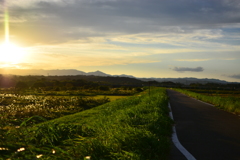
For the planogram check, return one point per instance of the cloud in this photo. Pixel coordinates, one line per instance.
(236, 76)
(184, 69)
(15, 66)
(193, 60)
(75, 61)
(59, 21)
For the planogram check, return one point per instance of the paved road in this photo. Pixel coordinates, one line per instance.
(205, 131)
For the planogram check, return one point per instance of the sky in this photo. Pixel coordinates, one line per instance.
(143, 38)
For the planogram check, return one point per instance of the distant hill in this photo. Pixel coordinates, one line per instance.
(98, 73)
(124, 75)
(64, 72)
(74, 72)
(185, 81)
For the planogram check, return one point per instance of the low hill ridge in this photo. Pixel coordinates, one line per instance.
(74, 72)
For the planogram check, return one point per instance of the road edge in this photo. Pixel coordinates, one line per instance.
(175, 140)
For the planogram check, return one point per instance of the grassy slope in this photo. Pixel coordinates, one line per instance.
(230, 104)
(136, 127)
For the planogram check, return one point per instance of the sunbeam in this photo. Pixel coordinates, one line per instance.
(9, 52)
(6, 23)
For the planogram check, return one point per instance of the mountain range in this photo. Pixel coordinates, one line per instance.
(68, 72)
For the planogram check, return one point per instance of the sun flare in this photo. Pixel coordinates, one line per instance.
(11, 53)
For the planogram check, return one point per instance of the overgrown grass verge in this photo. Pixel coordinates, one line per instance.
(230, 104)
(136, 127)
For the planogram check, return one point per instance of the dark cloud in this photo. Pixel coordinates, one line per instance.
(184, 69)
(61, 21)
(236, 76)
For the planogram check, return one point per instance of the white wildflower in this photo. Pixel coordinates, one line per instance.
(21, 149)
(39, 156)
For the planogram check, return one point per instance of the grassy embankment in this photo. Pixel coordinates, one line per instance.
(230, 103)
(137, 127)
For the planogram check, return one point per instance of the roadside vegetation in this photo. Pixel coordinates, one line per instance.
(136, 127)
(230, 92)
(229, 102)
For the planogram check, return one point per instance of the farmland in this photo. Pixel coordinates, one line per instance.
(27, 96)
(50, 127)
(16, 108)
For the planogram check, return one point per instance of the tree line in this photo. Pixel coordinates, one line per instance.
(66, 82)
(93, 82)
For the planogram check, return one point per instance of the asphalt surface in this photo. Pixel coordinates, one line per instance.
(205, 131)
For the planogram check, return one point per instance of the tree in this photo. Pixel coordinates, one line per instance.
(39, 84)
(69, 86)
(21, 85)
(103, 88)
(138, 89)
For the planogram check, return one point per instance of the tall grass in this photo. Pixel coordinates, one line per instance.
(15, 108)
(136, 127)
(230, 104)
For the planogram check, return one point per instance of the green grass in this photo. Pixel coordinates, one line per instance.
(137, 127)
(217, 92)
(230, 103)
(111, 97)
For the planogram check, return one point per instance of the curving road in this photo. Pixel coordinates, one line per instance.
(205, 131)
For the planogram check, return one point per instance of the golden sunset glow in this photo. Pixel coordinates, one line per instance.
(11, 53)
(161, 38)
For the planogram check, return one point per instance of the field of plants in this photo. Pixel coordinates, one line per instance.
(15, 108)
(17, 105)
(226, 100)
(217, 92)
(83, 91)
(135, 127)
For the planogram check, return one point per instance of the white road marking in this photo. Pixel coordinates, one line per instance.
(176, 142)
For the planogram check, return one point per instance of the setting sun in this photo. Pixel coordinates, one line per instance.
(11, 53)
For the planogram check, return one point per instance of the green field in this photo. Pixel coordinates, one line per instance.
(15, 108)
(217, 92)
(111, 97)
(135, 127)
(225, 100)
